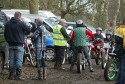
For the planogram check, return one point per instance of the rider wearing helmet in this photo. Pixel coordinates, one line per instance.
(108, 37)
(98, 33)
(79, 38)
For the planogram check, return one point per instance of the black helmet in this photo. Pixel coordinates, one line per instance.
(108, 33)
(79, 23)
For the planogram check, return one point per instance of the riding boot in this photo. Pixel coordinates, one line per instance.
(11, 74)
(43, 62)
(44, 73)
(40, 74)
(90, 65)
(19, 74)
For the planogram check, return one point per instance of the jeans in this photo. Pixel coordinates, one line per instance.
(16, 56)
(40, 57)
(121, 74)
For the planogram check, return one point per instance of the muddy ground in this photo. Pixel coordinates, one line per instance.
(58, 76)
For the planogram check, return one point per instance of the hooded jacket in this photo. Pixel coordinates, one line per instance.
(15, 31)
(120, 40)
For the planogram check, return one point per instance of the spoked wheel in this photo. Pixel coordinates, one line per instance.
(79, 62)
(64, 59)
(32, 58)
(104, 61)
(111, 69)
(70, 57)
(1, 62)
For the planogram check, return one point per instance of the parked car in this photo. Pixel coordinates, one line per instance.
(4, 52)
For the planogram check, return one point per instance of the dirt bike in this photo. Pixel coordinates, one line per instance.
(111, 69)
(98, 52)
(81, 61)
(29, 52)
(68, 54)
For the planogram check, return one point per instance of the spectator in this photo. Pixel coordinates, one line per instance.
(39, 43)
(60, 37)
(120, 51)
(14, 34)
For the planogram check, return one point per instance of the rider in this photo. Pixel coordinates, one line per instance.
(108, 37)
(98, 33)
(79, 38)
(39, 43)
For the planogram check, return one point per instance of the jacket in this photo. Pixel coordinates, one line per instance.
(98, 36)
(15, 31)
(79, 37)
(120, 40)
(39, 35)
(60, 36)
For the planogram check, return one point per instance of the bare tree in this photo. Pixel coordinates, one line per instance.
(34, 6)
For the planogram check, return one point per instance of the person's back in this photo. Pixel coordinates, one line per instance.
(15, 30)
(80, 36)
(14, 33)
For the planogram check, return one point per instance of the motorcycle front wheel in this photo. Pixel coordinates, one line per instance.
(32, 58)
(111, 69)
(104, 61)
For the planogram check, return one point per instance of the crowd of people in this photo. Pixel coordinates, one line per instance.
(16, 29)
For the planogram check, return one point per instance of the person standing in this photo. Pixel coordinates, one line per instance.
(120, 51)
(80, 41)
(14, 34)
(60, 37)
(39, 43)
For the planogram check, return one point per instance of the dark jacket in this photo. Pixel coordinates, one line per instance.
(99, 36)
(39, 37)
(15, 31)
(64, 33)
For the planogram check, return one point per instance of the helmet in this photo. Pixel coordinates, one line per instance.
(108, 33)
(79, 22)
(98, 29)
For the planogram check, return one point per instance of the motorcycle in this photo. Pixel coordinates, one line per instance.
(68, 54)
(81, 61)
(98, 52)
(29, 52)
(111, 69)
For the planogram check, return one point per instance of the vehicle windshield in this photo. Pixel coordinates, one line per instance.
(50, 22)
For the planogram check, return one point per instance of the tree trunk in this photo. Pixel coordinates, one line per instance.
(34, 6)
(94, 12)
(116, 14)
(106, 13)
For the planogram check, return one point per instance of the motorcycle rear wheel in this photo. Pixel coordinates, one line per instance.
(79, 62)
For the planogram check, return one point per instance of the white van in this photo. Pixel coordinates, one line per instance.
(44, 13)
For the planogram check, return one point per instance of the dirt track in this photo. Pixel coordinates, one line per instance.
(58, 76)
